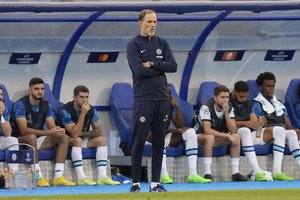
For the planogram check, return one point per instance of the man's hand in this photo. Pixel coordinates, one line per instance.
(173, 102)
(225, 107)
(253, 124)
(85, 108)
(2, 107)
(230, 137)
(58, 130)
(147, 64)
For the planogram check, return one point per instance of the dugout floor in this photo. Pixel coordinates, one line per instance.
(124, 188)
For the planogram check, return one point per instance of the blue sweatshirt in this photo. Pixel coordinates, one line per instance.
(150, 83)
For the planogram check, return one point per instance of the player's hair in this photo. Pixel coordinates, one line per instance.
(143, 13)
(219, 89)
(265, 76)
(35, 81)
(80, 88)
(241, 86)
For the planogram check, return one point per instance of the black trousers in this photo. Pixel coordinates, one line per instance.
(148, 115)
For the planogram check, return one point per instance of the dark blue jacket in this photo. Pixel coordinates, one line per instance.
(150, 83)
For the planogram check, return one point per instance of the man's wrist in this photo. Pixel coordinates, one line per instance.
(151, 64)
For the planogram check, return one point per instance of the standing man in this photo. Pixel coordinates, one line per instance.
(274, 114)
(29, 115)
(77, 116)
(6, 140)
(149, 58)
(216, 119)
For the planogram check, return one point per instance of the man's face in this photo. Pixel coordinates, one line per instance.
(148, 25)
(37, 91)
(222, 98)
(267, 88)
(81, 98)
(241, 96)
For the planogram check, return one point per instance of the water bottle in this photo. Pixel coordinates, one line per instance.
(11, 178)
(6, 178)
(259, 128)
(35, 178)
(29, 181)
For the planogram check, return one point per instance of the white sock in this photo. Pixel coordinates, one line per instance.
(58, 170)
(191, 146)
(136, 184)
(164, 171)
(292, 141)
(248, 148)
(278, 148)
(235, 162)
(101, 159)
(76, 156)
(207, 165)
(153, 184)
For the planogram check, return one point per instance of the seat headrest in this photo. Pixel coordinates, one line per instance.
(206, 91)
(253, 89)
(7, 101)
(291, 91)
(122, 96)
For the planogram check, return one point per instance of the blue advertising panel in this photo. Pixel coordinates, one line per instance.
(279, 55)
(20, 156)
(25, 58)
(102, 57)
(229, 55)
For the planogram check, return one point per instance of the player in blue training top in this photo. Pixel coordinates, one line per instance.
(6, 140)
(149, 58)
(77, 117)
(29, 115)
(274, 114)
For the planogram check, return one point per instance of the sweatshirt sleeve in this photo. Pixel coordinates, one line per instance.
(169, 64)
(136, 64)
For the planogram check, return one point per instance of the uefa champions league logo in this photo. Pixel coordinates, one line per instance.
(14, 157)
(28, 159)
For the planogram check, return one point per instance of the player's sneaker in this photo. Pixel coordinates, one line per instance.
(282, 177)
(135, 188)
(107, 181)
(158, 188)
(41, 182)
(166, 179)
(62, 181)
(260, 176)
(238, 177)
(208, 176)
(121, 178)
(197, 179)
(86, 181)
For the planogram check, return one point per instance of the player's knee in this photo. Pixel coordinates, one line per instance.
(100, 141)
(244, 133)
(189, 134)
(77, 142)
(291, 135)
(30, 139)
(12, 143)
(209, 140)
(237, 139)
(279, 132)
(64, 138)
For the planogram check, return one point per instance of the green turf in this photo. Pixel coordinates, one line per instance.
(278, 194)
